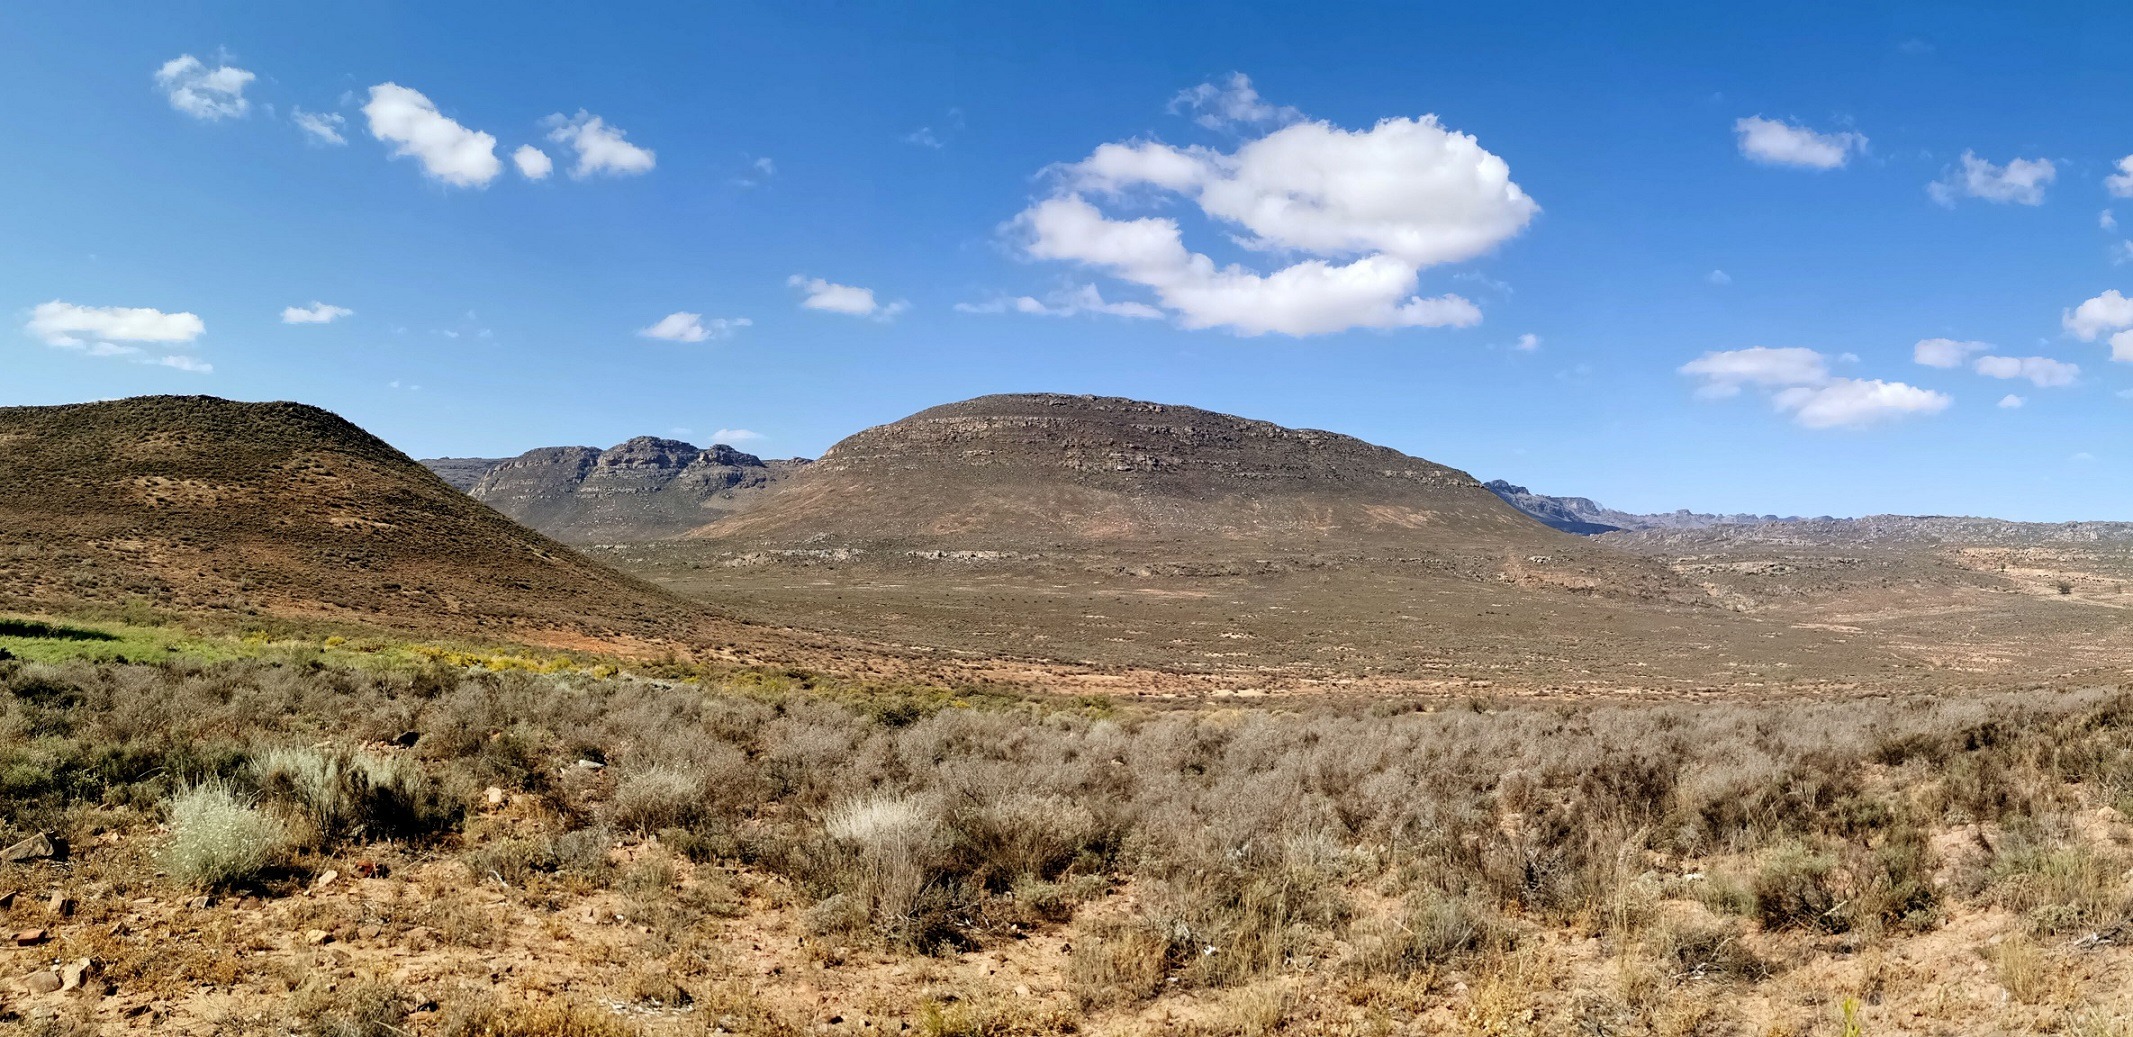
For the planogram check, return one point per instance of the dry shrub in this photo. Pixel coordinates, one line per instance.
(218, 840)
(1795, 889)
(1117, 964)
(478, 1017)
(885, 855)
(2062, 886)
(1431, 931)
(342, 796)
(363, 1008)
(1693, 948)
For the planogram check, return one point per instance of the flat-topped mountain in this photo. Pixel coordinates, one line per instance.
(196, 503)
(1040, 471)
(1585, 516)
(644, 489)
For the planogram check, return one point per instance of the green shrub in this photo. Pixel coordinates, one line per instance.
(341, 796)
(1795, 890)
(218, 840)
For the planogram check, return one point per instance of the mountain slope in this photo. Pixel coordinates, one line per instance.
(202, 504)
(644, 489)
(1041, 470)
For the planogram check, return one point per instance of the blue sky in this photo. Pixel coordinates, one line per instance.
(934, 178)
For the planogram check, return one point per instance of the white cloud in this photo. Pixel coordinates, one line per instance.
(2011, 401)
(2095, 317)
(843, 298)
(1804, 388)
(2043, 372)
(69, 326)
(600, 147)
(924, 137)
(1719, 277)
(1945, 352)
(2021, 181)
(202, 92)
(2120, 184)
(185, 363)
(1725, 371)
(1391, 200)
(2108, 220)
(692, 327)
(1229, 103)
(1857, 402)
(759, 173)
(2122, 347)
(1527, 343)
(448, 151)
(1775, 143)
(2122, 253)
(532, 162)
(319, 127)
(730, 436)
(316, 313)
(1085, 299)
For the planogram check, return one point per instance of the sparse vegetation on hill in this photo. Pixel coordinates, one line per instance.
(207, 506)
(684, 857)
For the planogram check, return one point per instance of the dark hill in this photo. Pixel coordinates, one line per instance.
(1042, 470)
(197, 504)
(644, 489)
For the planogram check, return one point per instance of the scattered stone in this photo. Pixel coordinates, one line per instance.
(370, 932)
(325, 879)
(201, 902)
(74, 972)
(39, 847)
(60, 904)
(591, 765)
(46, 982)
(31, 937)
(7, 900)
(494, 796)
(315, 937)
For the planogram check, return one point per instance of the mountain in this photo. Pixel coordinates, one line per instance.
(1047, 472)
(462, 472)
(1584, 516)
(205, 505)
(644, 489)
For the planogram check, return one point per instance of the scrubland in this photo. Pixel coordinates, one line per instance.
(304, 846)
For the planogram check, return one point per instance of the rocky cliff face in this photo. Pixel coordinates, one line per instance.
(1585, 516)
(644, 489)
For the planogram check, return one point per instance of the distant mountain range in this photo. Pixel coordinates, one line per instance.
(1584, 516)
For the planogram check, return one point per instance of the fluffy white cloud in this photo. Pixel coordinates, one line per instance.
(1527, 343)
(448, 151)
(692, 327)
(730, 436)
(2043, 372)
(1775, 143)
(843, 298)
(1229, 103)
(69, 326)
(1804, 388)
(532, 162)
(1857, 402)
(316, 313)
(319, 127)
(2011, 401)
(600, 147)
(1945, 352)
(2021, 181)
(203, 92)
(1391, 200)
(2108, 220)
(1718, 277)
(2101, 315)
(1072, 302)
(2120, 184)
(1725, 371)
(107, 331)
